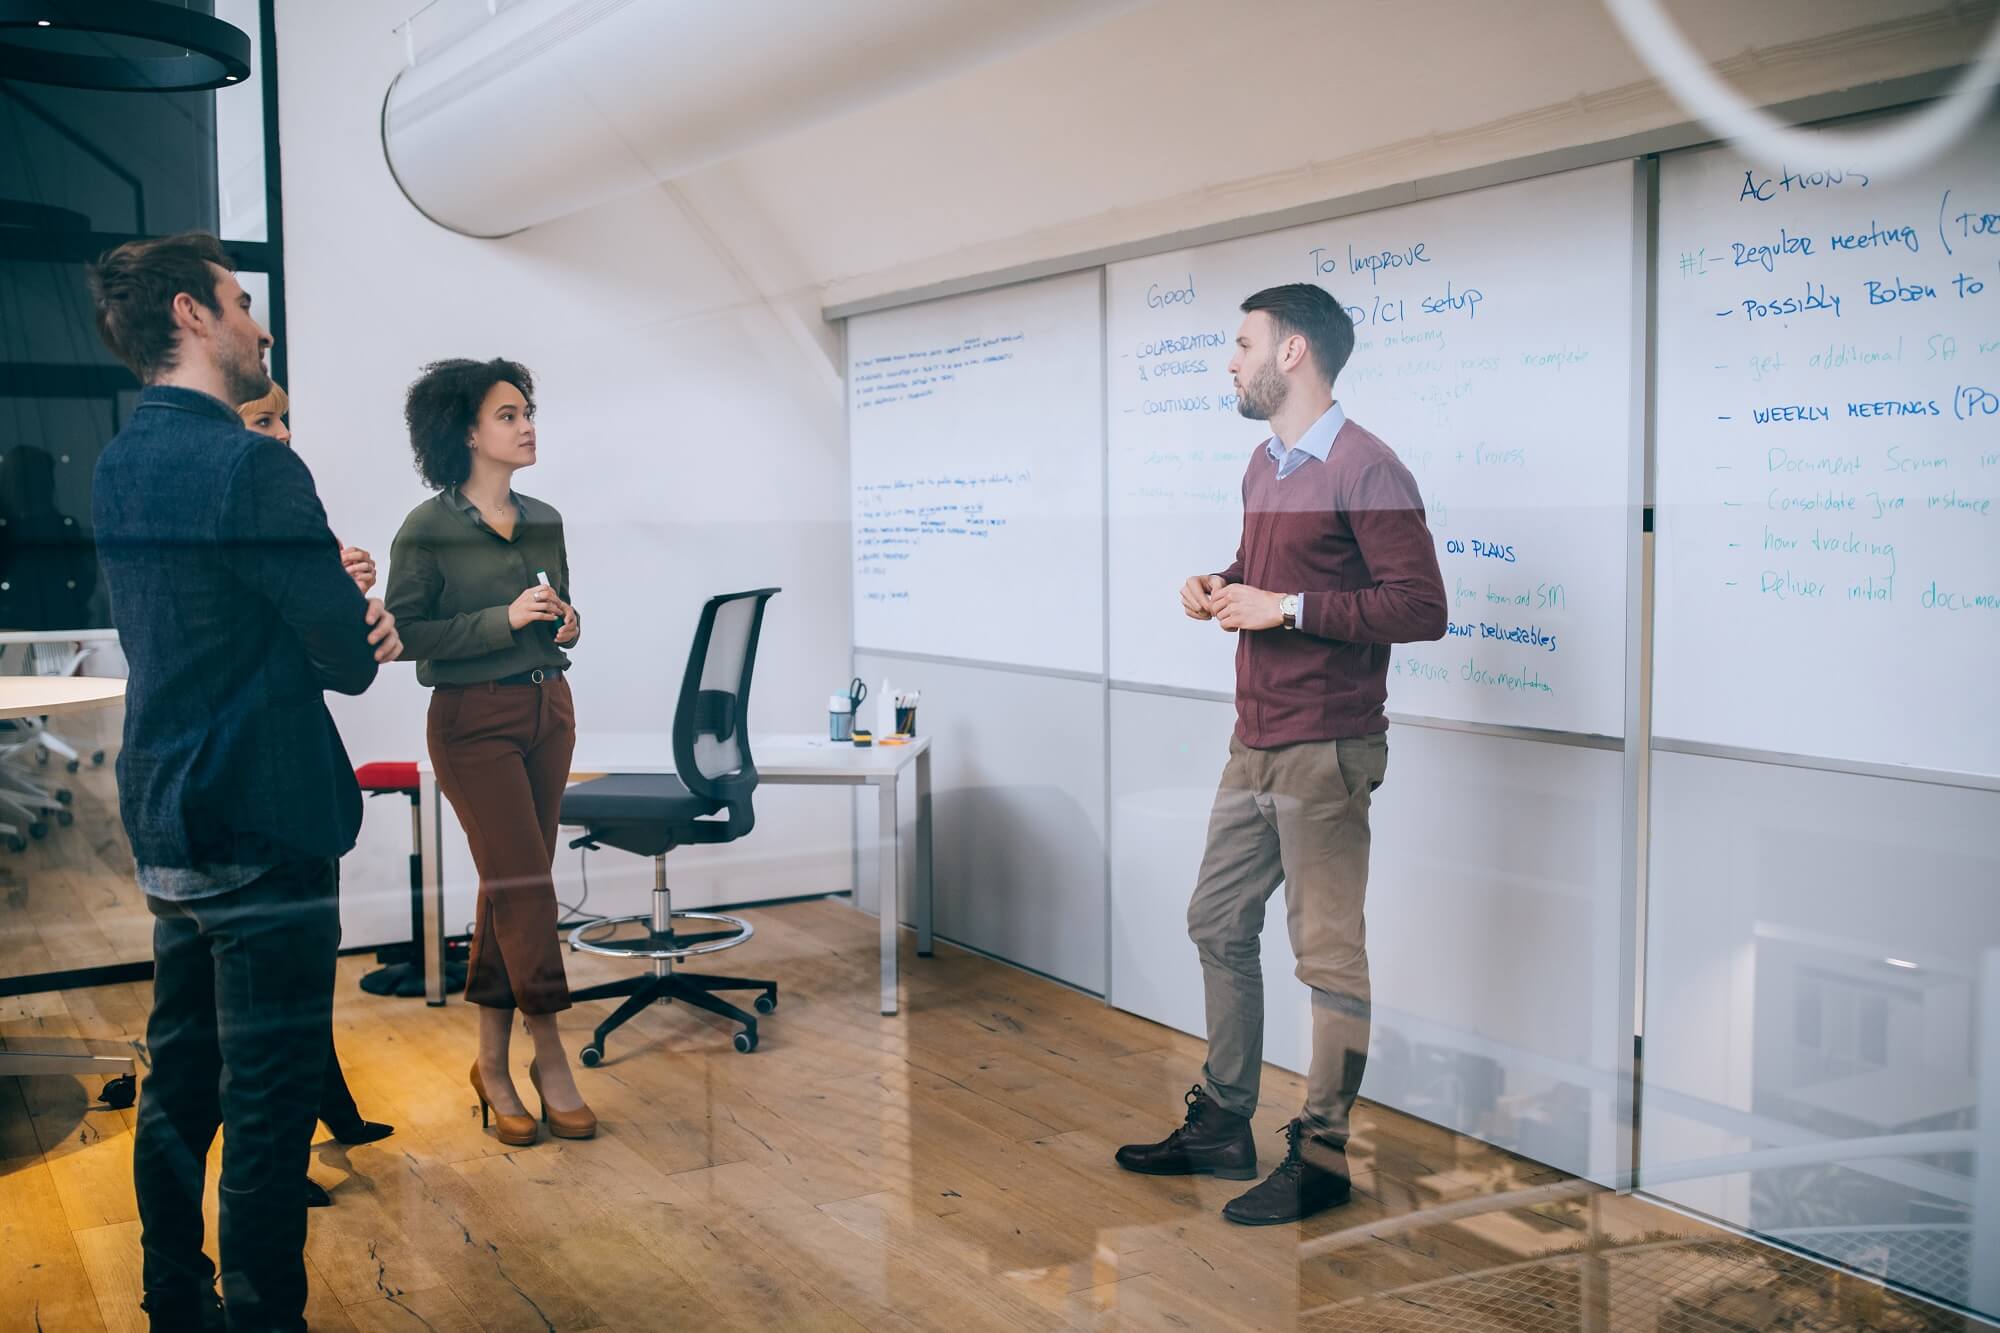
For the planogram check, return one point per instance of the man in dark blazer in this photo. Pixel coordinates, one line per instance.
(235, 615)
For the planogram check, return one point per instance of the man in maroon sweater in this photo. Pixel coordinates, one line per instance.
(1336, 564)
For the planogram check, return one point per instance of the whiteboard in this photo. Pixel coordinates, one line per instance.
(1828, 458)
(1493, 354)
(976, 429)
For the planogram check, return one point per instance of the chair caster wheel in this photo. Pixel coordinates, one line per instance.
(16, 843)
(120, 1092)
(65, 818)
(97, 759)
(766, 1003)
(746, 1042)
(592, 1056)
(38, 830)
(72, 766)
(64, 796)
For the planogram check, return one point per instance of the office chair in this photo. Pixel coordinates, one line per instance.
(650, 814)
(60, 659)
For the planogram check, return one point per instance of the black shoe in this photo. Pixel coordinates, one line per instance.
(316, 1195)
(386, 979)
(361, 1131)
(1213, 1142)
(1293, 1192)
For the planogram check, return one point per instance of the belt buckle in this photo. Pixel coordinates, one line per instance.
(537, 676)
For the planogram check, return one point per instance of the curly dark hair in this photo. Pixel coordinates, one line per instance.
(443, 406)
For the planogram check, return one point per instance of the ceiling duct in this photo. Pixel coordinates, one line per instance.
(552, 106)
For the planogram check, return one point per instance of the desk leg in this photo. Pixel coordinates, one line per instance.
(925, 886)
(888, 853)
(430, 846)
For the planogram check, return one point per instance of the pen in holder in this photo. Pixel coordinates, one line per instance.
(906, 712)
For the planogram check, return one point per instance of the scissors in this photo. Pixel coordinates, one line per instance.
(856, 692)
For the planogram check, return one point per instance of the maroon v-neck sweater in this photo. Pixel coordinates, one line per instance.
(1350, 534)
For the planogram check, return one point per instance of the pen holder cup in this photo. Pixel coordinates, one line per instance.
(906, 721)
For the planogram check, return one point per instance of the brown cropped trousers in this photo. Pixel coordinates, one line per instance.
(502, 757)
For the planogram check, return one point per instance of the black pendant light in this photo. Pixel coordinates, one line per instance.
(140, 46)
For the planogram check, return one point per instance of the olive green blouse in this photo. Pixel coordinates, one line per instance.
(452, 578)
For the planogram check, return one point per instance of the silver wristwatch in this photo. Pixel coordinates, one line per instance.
(1288, 609)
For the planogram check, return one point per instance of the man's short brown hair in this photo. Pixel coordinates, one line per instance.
(133, 288)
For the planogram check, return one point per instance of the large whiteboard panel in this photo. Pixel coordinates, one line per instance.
(976, 430)
(1494, 335)
(1494, 932)
(1829, 458)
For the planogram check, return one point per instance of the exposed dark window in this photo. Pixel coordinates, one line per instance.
(81, 171)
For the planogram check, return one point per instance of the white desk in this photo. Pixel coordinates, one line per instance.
(806, 760)
(33, 636)
(38, 696)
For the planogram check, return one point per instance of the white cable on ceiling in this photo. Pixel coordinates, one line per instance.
(1755, 132)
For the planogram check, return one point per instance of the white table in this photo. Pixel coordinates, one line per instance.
(33, 636)
(39, 696)
(804, 760)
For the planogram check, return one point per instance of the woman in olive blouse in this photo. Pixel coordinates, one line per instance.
(479, 584)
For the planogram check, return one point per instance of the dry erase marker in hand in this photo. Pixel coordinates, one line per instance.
(542, 577)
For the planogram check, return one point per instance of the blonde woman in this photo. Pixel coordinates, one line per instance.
(337, 1110)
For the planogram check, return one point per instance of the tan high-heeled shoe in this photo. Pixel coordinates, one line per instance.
(516, 1131)
(578, 1124)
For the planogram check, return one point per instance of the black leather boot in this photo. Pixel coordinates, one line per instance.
(199, 1312)
(1293, 1192)
(1212, 1143)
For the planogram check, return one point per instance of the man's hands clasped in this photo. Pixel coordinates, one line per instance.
(1234, 606)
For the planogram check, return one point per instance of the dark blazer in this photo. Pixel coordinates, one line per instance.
(235, 615)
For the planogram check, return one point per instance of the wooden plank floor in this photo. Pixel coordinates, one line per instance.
(949, 1169)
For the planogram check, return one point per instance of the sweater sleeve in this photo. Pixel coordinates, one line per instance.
(1234, 574)
(1406, 601)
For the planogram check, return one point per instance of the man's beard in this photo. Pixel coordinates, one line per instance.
(245, 377)
(1264, 394)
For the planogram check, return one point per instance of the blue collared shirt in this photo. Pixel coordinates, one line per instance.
(1315, 444)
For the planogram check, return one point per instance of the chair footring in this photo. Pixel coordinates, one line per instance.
(596, 937)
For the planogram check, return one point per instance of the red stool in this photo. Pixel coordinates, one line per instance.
(402, 972)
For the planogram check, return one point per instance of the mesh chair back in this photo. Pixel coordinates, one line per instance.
(711, 723)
